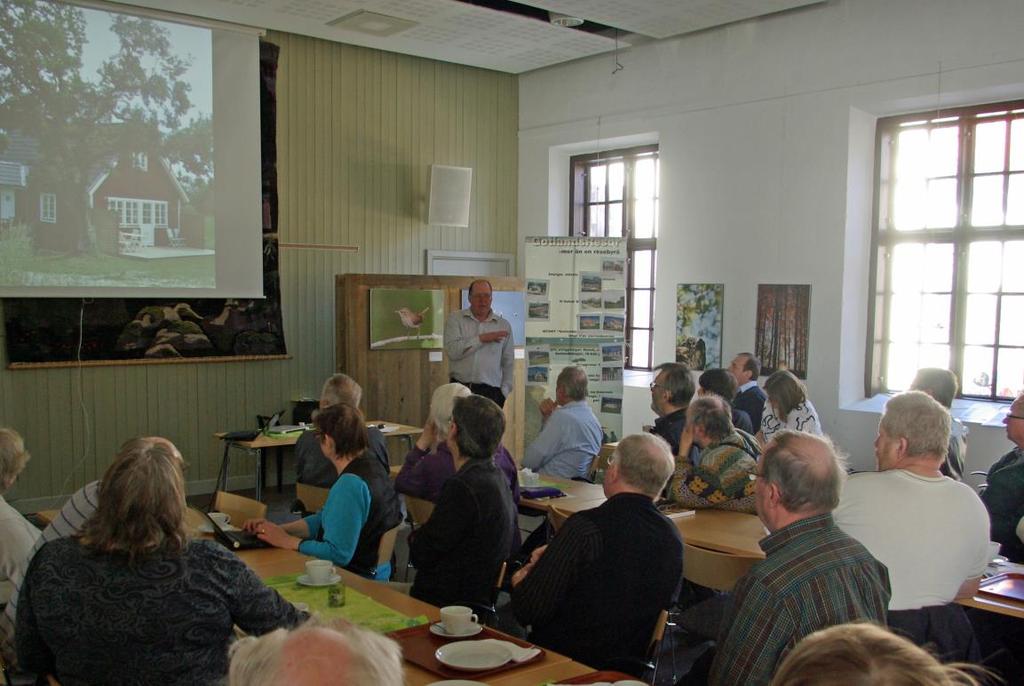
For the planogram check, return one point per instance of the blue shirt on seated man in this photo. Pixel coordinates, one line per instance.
(571, 436)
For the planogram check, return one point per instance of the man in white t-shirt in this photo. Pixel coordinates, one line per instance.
(929, 530)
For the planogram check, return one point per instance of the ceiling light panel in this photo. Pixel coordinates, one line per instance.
(666, 18)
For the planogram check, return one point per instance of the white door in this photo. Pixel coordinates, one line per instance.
(6, 204)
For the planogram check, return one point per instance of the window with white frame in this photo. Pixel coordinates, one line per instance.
(140, 160)
(615, 193)
(949, 258)
(130, 211)
(48, 208)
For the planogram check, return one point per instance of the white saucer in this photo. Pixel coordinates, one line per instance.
(207, 528)
(456, 682)
(304, 580)
(473, 656)
(439, 630)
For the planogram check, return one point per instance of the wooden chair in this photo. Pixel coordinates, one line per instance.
(238, 507)
(712, 569)
(647, 668)
(557, 517)
(599, 465)
(312, 497)
(386, 547)
(419, 512)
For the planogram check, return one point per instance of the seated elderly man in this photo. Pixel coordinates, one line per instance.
(315, 654)
(670, 394)
(813, 575)
(1004, 496)
(943, 385)
(719, 475)
(17, 535)
(595, 592)
(311, 465)
(571, 436)
(929, 530)
(459, 550)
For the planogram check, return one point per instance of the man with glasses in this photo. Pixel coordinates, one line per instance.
(670, 394)
(813, 575)
(1004, 496)
(478, 342)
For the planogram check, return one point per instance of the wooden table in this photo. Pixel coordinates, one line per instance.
(1010, 608)
(258, 445)
(269, 562)
(576, 493)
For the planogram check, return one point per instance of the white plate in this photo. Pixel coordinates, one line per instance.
(456, 682)
(473, 656)
(207, 528)
(439, 630)
(304, 580)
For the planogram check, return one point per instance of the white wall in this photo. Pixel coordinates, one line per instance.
(766, 134)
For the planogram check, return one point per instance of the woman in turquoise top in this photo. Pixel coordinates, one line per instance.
(361, 505)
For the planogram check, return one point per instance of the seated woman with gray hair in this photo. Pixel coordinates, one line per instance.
(133, 599)
(429, 464)
(17, 535)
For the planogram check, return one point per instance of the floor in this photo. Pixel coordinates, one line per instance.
(678, 650)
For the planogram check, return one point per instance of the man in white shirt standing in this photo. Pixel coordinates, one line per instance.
(478, 342)
(929, 530)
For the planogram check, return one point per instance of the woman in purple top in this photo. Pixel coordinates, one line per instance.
(429, 464)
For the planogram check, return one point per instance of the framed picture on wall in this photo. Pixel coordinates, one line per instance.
(403, 318)
(699, 309)
(783, 327)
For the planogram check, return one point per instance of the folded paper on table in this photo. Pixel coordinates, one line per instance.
(358, 608)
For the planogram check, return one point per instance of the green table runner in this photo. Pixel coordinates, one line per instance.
(358, 608)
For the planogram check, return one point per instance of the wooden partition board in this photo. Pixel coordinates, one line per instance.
(397, 384)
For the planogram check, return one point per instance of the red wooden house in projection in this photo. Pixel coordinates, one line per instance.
(147, 198)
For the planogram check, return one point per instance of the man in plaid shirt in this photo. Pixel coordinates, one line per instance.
(813, 575)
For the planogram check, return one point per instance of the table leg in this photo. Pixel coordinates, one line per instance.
(260, 474)
(280, 467)
(222, 475)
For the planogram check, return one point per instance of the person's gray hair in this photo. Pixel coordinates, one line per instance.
(920, 419)
(573, 382)
(372, 659)
(340, 388)
(713, 415)
(13, 457)
(645, 462)
(678, 381)
(441, 404)
(808, 469)
(480, 423)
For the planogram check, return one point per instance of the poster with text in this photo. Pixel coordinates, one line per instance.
(576, 316)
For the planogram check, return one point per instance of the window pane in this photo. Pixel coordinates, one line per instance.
(596, 227)
(943, 151)
(983, 260)
(597, 183)
(1017, 145)
(912, 154)
(1011, 320)
(981, 320)
(642, 308)
(905, 318)
(645, 183)
(977, 379)
(989, 146)
(1011, 372)
(644, 218)
(643, 269)
(616, 172)
(641, 340)
(901, 366)
(938, 268)
(933, 356)
(615, 219)
(1015, 200)
(910, 204)
(987, 206)
(907, 274)
(941, 203)
(1013, 273)
(935, 319)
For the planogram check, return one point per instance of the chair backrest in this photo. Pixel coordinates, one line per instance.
(657, 634)
(419, 509)
(599, 465)
(387, 545)
(238, 507)
(557, 517)
(710, 568)
(312, 497)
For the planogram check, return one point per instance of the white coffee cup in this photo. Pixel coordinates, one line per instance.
(220, 518)
(993, 550)
(319, 571)
(458, 619)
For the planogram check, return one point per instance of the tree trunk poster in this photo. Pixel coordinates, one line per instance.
(575, 316)
(783, 326)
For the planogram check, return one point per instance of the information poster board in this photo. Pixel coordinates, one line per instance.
(576, 316)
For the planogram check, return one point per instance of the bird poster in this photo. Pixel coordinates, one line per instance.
(402, 319)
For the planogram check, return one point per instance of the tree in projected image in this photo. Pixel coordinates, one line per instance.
(79, 120)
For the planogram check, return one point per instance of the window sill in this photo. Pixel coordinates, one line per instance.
(978, 412)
